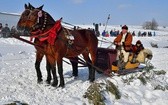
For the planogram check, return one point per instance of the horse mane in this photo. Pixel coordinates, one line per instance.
(50, 18)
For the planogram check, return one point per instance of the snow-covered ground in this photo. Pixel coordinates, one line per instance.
(18, 76)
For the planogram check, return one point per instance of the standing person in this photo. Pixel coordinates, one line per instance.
(104, 33)
(1, 30)
(139, 33)
(13, 30)
(133, 33)
(111, 33)
(6, 31)
(107, 34)
(154, 34)
(123, 43)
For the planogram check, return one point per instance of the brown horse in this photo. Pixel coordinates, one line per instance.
(40, 53)
(40, 23)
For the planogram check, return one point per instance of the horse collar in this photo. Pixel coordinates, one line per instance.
(45, 21)
(49, 35)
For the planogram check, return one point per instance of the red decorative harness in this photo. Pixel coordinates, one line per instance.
(50, 35)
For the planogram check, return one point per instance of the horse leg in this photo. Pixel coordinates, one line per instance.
(93, 53)
(48, 67)
(51, 63)
(74, 66)
(60, 72)
(39, 57)
(55, 80)
(88, 61)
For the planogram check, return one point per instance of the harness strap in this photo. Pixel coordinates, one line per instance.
(50, 35)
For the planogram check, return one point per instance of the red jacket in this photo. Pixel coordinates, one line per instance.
(127, 43)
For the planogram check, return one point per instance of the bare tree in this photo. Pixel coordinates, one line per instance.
(147, 25)
(153, 25)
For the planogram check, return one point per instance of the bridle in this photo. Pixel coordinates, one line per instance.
(38, 26)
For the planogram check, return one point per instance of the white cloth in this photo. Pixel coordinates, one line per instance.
(126, 54)
(123, 38)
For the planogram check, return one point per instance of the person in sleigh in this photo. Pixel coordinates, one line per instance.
(136, 49)
(123, 43)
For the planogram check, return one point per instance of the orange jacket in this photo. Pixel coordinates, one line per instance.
(128, 41)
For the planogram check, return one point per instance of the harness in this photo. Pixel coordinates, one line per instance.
(69, 36)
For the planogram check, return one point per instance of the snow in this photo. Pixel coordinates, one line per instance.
(18, 76)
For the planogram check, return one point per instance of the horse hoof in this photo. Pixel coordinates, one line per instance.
(54, 84)
(92, 80)
(40, 81)
(62, 85)
(75, 77)
(48, 82)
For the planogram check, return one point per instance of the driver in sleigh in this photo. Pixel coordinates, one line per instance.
(123, 43)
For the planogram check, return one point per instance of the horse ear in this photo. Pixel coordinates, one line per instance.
(31, 7)
(26, 7)
(41, 7)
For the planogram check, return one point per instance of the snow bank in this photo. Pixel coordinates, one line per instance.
(18, 77)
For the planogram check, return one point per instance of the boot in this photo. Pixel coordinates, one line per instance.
(122, 66)
(134, 58)
(115, 63)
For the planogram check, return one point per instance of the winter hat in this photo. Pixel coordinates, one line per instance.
(138, 42)
(125, 27)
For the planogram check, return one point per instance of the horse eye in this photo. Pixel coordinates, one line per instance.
(27, 13)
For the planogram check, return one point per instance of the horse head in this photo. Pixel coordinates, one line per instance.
(34, 19)
(21, 25)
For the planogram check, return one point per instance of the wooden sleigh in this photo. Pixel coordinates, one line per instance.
(107, 57)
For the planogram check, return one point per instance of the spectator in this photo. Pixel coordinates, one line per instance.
(13, 30)
(104, 33)
(139, 33)
(133, 33)
(117, 32)
(150, 34)
(154, 34)
(107, 34)
(6, 31)
(97, 33)
(144, 34)
(1, 30)
(111, 33)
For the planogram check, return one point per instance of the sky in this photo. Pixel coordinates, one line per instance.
(129, 12)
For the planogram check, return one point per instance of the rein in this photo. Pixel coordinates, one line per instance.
(81, 61)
